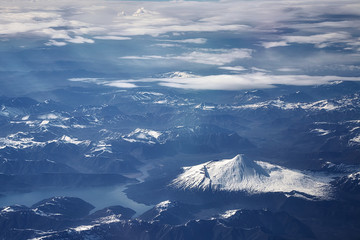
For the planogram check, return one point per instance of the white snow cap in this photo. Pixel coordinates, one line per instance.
(242, 174)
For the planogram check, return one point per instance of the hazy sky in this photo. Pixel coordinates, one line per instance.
(208, 44)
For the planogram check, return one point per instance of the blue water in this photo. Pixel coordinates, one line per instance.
(99, 197)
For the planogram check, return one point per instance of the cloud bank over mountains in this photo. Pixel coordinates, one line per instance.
(73, 22)
(221, 82)
(225, 43)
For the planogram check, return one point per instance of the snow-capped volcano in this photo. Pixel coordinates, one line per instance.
(241, 174)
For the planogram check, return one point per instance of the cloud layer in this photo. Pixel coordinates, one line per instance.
(222, 82)
(229, 44)
(67, 21)
(203, 56)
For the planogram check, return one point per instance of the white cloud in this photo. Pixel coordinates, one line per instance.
(255, 80)
(287, 69)
(120, 84)
(142, 11)
(79, 39)
(147, 57)
(259, 69)
(87, 80)
(274, 44)
(56, 34)
(105, 82)
(72, 19)
(112, 38)
(55, 43)
(202, 56)
(320, 40)
(167, 45)
(249, 81)
(273, 24)
(215, 57)
(234, 69)
(149, 19)
(191, 40)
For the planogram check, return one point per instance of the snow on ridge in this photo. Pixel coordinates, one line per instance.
(100, 148)
(21, 140)
(239, 174)
(321, 132)
(75, 141)
(84, 227)
(44, 122)
(355, 140)
(205, 107)
(229, 213)
(327, 105)
(41, 213)
(49, 116)
(78, 126)
(142, 135)
(7, 210)
(354, 176)
(109, 219)
(319, 105)
(162, 206)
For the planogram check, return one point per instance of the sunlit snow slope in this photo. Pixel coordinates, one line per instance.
(241, 174)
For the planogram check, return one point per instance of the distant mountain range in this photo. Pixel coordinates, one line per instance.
(177, 152)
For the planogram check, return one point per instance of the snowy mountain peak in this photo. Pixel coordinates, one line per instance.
(227, 173)
(246, 167)
(242, 174)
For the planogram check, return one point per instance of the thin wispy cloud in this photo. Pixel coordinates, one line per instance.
(112, 38)
(234, 69)
(256, 80)
(55, 43)
(320, 40)
(274, 44)
(247, 40)
(167, 45)
(105, 82)
(192, 40)
(288, 69)
(202, 56)
(123, 19)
